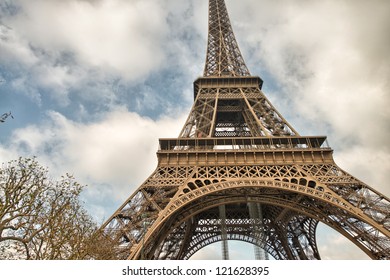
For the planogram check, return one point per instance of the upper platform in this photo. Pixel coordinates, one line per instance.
(227, 82)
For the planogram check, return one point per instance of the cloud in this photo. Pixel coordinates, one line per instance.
(120, 35)
(70, 50)
(117, 152)
(13, 46)
(130, 38)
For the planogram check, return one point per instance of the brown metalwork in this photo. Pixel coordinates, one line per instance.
(237, 153)
(223, 55)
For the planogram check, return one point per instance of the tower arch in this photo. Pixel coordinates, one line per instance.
(293, 208)
(235, 148)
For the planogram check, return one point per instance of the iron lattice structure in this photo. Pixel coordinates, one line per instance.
(239, 171)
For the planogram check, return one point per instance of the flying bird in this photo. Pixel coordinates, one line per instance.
(5, 116)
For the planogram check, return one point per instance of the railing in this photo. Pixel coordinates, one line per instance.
(243, 143)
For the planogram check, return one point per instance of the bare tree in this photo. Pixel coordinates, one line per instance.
(102, 247)
(41, 218)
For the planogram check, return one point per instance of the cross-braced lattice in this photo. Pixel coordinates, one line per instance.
(240, 171)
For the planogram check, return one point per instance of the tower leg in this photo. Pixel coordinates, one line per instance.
(255, 213)
(225, 246)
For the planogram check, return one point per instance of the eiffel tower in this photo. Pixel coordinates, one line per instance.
(240, 171)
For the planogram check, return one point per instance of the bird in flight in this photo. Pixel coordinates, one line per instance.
(5, 116)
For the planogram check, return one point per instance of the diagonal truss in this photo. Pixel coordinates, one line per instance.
(240, 171)
(233, 107)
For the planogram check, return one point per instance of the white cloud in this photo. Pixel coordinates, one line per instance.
(117, 152)
(123, 36)
(65, 50)
(12, 46)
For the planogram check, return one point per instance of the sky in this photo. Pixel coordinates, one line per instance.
(93, 84)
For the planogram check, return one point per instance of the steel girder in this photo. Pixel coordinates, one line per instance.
(234, 150)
